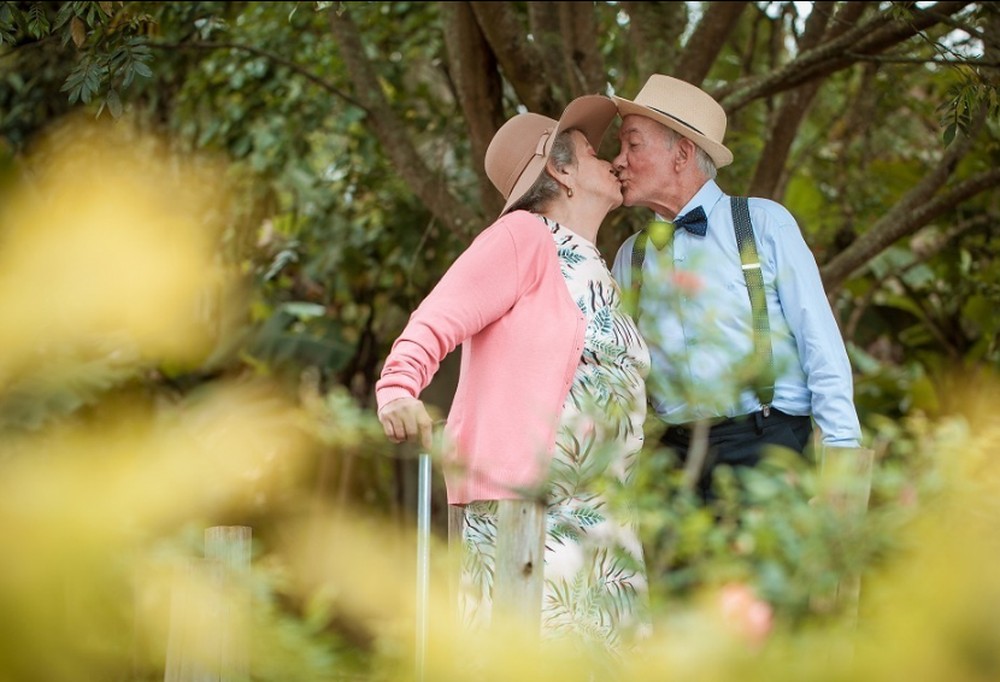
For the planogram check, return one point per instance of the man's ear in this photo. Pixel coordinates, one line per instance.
(685, 152)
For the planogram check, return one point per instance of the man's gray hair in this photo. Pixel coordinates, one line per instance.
(701, 157)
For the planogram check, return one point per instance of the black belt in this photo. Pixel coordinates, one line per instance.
(754, 421)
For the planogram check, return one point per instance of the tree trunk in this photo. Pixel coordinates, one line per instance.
(522, 62)
(769, 176)
(704, 45)
(478, 87)
(654, 30)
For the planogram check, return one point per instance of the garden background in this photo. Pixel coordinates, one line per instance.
(215, 217)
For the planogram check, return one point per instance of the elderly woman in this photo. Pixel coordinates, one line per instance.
(551, 390)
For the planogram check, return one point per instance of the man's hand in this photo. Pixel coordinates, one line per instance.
(407, 419)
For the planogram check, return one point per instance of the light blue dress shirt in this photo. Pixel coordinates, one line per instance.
(694, 312)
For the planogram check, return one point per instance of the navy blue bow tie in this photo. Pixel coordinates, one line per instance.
(693, 221)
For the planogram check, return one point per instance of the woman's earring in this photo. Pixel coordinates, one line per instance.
(569, 191)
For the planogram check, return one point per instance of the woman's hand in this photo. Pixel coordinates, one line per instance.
(406, 419)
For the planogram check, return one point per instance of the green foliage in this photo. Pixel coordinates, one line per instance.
(110, 54)
(337, 250)
(771, 528)
(327, 220)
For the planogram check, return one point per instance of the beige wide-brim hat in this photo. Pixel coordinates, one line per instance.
(519, 149)
(685, 108)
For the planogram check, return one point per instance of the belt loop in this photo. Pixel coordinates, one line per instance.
(758, 420)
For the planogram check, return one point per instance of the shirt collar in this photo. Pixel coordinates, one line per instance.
(707, 197)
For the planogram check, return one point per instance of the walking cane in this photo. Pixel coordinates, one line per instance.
(423, 558)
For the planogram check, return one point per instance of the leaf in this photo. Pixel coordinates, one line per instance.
(142, 69)
(978, 312)
(78, 31)
(38, 23)
(114, 103)
(587, 516)
(949, 134)
(304, 310)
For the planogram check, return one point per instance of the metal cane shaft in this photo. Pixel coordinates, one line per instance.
(423, 558)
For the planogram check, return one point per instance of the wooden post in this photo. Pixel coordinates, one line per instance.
(456, 549)
(847, 479)
(227, 549)
(208, 638)
(520, 562)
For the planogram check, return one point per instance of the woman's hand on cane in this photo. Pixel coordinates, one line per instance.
(406, 419)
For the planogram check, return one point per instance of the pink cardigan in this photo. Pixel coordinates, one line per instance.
(505, 300)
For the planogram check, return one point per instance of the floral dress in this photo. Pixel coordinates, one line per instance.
(595, 580)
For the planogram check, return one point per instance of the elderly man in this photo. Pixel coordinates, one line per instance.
(730, 300)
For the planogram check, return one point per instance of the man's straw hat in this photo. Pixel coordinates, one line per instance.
(685, 108)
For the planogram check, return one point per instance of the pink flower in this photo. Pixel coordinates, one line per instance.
(750, 617)
(687, 282)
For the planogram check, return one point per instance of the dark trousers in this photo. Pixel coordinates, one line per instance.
(740, 441)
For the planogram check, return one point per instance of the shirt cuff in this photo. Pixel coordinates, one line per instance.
(841, 442)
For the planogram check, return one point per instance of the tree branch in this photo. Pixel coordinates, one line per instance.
(273, 56)
(987, 37)
(917, 208)
(784, 124)
(846, 16)
(891, 59)
(782, 132)
(390, 130)
(27, 45)
(708, 39)
(877, 34)
(921, 254)
(927, 319)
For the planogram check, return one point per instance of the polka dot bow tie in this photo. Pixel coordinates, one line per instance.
(693, 221)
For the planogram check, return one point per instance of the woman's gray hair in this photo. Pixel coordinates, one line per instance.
(701, 157)
(545, 188)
